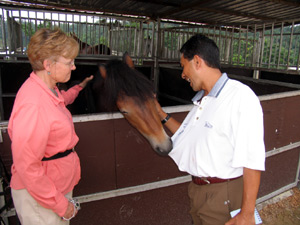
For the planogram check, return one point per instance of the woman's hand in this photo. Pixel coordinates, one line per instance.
(85, 81)
(70, 212)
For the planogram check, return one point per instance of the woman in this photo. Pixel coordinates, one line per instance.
(45, 166)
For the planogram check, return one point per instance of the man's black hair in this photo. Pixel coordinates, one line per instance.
(203, 47)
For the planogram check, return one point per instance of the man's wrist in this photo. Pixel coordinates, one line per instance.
(168, 116)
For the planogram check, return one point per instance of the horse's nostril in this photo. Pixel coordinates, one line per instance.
(163, 151)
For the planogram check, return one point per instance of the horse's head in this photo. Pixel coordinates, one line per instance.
(132, 93)
(84, 48)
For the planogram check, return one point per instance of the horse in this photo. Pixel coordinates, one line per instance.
(85, 48)
(132, 94)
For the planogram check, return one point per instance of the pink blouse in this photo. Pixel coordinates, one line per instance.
(41, 126)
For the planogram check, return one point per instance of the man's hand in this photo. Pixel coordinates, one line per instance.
(241, 219)
(250, 190)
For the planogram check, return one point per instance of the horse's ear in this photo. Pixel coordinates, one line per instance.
(102, 71)
(127, 59)
(73, 35)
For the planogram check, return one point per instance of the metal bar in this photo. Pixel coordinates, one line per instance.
(156, 56)
(86, 33)
(262, 46)
(133, 190)
(35, 24)
(98, 37)
(239, 45)
(255, 53)
(280, 45)
(93, 36)
(298, 171)
(130, 37)
(141, 37)
(231, 46)
(226, 47)
(275, 50)
(295, 53)
(4, 31)
(220, 35)
(167, 47)
(275, 193)
(152, 40)
(246, 47)
(298, 61)
(9, 25)
(271, 45)
(172, 45)
(290, 45)
(148, 42)
(135, 39)
(20, 33)
(283, 149)
(118, 37)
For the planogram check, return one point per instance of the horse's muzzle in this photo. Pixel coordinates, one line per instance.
(164, 148)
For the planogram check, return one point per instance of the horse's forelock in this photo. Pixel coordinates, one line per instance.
(121, 79)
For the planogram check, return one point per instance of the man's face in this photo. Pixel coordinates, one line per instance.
(189, 72)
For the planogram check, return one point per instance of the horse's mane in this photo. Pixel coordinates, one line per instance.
(121, 80)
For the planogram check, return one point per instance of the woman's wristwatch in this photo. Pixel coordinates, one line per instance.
(76, 205)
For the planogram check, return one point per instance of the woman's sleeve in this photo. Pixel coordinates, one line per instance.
(29, 134)
(71, 94)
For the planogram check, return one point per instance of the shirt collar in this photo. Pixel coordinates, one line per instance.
(55, 99)
(215, 91)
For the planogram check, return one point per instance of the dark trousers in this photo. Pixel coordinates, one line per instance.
(211, 204)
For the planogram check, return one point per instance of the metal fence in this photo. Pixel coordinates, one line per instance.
(258, 46)
(119, 34)
(261, 46)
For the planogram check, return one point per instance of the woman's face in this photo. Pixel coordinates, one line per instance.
(62, 68)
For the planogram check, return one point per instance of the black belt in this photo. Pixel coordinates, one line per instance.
(59, 155)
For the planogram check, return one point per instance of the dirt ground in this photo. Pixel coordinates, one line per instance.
(283, 212)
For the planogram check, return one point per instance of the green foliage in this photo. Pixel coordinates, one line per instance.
(29, 28)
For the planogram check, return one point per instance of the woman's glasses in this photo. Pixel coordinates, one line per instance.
(70, 64)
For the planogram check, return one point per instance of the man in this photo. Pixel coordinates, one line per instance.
(220, 142)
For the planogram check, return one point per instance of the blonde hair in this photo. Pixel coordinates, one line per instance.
(50, 44)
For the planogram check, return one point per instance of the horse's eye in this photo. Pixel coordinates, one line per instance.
(123, 112)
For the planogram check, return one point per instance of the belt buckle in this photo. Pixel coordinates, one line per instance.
(205, 179)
